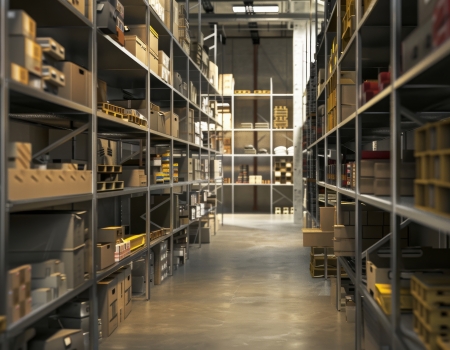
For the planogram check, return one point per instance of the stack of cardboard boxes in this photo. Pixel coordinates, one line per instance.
(226, 84)
(161, 262)
(19, 293)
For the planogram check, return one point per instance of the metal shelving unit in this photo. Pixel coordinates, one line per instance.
(108, 61)
(275, 194)
(389, 119)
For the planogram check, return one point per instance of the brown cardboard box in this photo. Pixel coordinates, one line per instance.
(136, 46)
(154, 41)
(327, 218)
(110, 234)
(19, 155)
(134, 177)
(128, 291)
(366, 185)
(26, 53)
(317, 238)
(21, 24)
(108, 305)
(79, 5)
(120, 275)
(102, 89)
(105, 255)
(19, 74)
(368, 166)
(78, 83)
(153, 62)
(341, 231)
(171, 124)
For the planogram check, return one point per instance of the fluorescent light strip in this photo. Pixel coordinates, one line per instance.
(257, 9)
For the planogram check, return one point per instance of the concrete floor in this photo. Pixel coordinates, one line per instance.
(250, 288)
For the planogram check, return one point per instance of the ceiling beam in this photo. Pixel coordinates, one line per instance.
(231, 17)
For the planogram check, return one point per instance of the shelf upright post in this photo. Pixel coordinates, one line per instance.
(271, 106)
(4, 127)
(232, 155)
(147, 163)
(395, 118)
(358, 208)
(172, 152)
(93, 321)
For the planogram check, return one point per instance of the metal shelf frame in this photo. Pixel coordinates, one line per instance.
(17, 98)
(388, 109)
(234, 131)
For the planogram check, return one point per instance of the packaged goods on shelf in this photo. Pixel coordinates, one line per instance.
(105, 255)
(136, 46)
(19, 74)
(280, 117)
(108, 176)
(196, 53)
(163, 59)
(255, 179)
(192, 92)
(205, 63)
(247, 125)
(107, 305)
(261, 92)
(348, 24)
(71, 339)
(19, 293)
(134, 177)
(280, 150)
(108, 17)
(315, 237)
(21, 24)
(51, 49)
(263, 151)
(213, 75)
(26, 53)
(348, 93)
(226, 84)
(369, 89)
(383, 297)
(78, 83)
(262, 125)
(19, 155)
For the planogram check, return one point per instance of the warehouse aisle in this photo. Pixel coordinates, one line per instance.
(250, 288)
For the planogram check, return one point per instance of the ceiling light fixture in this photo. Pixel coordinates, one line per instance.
(257, 9)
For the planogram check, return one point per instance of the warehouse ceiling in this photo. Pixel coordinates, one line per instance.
(250, 25)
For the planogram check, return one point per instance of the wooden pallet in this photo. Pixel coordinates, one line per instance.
(443, 343)
(103, 186)
(431, 289)
(241, 92)
(436, 316)
(264, 92)
(109, 169)
(427, 335)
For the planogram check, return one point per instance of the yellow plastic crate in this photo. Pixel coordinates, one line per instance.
(136, 241)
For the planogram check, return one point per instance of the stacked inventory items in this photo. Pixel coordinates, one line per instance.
(323, 236)
(226, 84)
(171, 124)
(332, 102)
(263, 151)
(198, 135)
(216, 168)
(193, 92)
(53, 52)
(157, 176)
(139, 275)
(317, 262)
(154, 49)
(205, 61)
(161, 262)
(284, 210)
(227, 180)
(280, 151)
(371, 88)
(280, 117)
(197, 51)
(376, 174)
(45, 180)
(283, 172)
(136, 46)
(249, 149)
(262, 126)
(20, 295)
(320, 81)
(108, 178)
(183, 28)
(165, 167)
(320, 120)
(348, 93)
(430, 304)
(74, 315)
(243, 175)
(107, 240)
(110, 19)
(348, 23)
(130, 115)
(290, 151)
(246, 125)
(225, 117)
(159, 8)
(164, 66)
(432, 186)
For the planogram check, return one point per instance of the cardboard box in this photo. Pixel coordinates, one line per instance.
(154, 38)
(171, 123)
(383, 170)
(382, 187)
(119, 275)
(107, 295)
(46, 268)
(52, 48)
(19, 74)
(69, 322)
(47, 230)
(73, 262)
(78, 83)
(366, 185)
(110, 234)
(425, 10)
(163, 72)
(56, 281)
(67, 339)
(368, 166)
(128, 290)
(153, 62)
(26, 53)
(107, 17)
(226, 84)
(214, 75)
(418, 44)
(137, 47)
(41, 296)
(19, 155)
(341, 231)
(105, 255)
(80, 6)
(327, 218)
(317, 238)
(21, 24)
(157, 121)
(134, 177)
(163, 59)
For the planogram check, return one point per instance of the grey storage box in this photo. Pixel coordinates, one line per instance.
(46, 268)
(67, 339)
(78, 83)
(73, 262)
(46, 231)
(105, 255)
(75, 309)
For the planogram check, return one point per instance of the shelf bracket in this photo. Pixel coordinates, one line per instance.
(61, 141)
